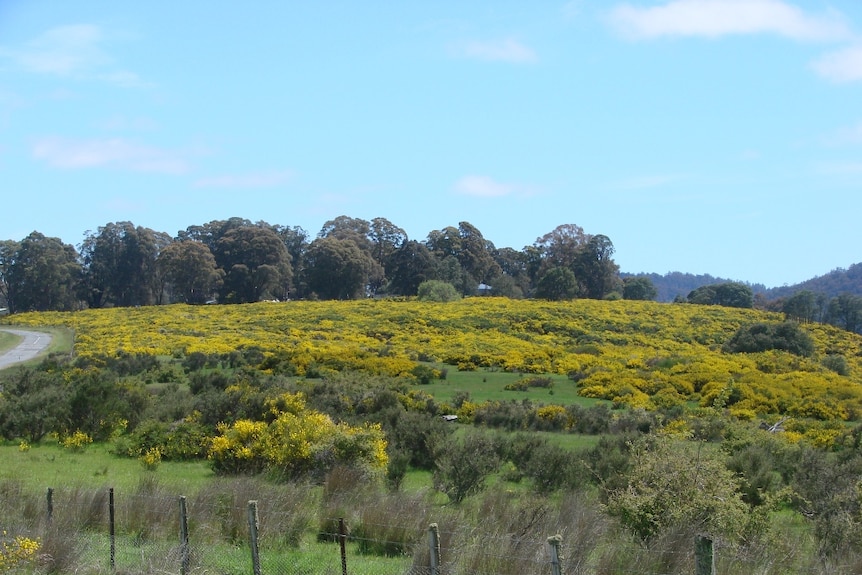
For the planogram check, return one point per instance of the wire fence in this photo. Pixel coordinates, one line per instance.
(99, 531)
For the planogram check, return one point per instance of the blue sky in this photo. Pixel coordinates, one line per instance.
(702, 136)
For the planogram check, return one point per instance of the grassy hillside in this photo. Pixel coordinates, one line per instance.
(642, 354)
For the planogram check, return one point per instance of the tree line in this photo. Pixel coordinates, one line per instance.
(239, 261)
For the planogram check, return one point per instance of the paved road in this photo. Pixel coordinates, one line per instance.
(32, 344)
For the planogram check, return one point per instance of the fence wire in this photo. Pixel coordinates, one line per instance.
(75, 530)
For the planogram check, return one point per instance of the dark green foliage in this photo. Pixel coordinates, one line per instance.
(828, 490)
(756, 465)
(548, 466)
(729, 294)
(510, 415)
(99, 405)
(127, 364)
(175, 441)
(639, 288)
(610, 462)
(593, 420)
(418, 435)
(463, 465)
(837, 363)
(786, 336)
(33, 403)
(557, 284)
(438, 291)
(424, 374)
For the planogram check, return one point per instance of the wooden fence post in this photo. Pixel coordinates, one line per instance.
(704, 556)
(184, 537)
(554, 548)
(50, 505)
(434, 548)
(253, 525)
(342, 543)
(112, 529)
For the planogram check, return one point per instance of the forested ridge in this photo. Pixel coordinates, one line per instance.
(239, 261)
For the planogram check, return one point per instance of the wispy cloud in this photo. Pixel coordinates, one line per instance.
(716, 18)
(485, 187)
(255, 180)
(507, 50)
(71, 51)
(841, 169)
(841, 66)
(115, 153)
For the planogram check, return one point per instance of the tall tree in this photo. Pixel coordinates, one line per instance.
(210, 233)
(45, 274)
(256, 265)
(190, 270)
(8, 249)
(296, 241)
(119, 265)
(385, 238)
(347, 228)
(473, 253)
(561, 246)
(728, 294)
(801, 306)
(845, 311)
(639, 288)
(558, 283)
(595, 268)
(408, 266)
(338, 268)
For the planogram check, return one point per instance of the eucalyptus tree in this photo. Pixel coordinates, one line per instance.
(120, 265)
(338, 268)
(409, 266)
(190, 271)
(639, 288)
(256, 264)
(44, 275)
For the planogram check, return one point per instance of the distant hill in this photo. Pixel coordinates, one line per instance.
(673, 284)
(838, 281)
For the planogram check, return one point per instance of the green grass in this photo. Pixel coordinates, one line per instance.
(49, 465)
(8, 340)
(489, 385)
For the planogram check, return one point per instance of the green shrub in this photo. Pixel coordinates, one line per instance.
(786, 336)
(437, 290)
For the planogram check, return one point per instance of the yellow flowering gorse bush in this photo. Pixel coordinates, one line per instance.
(639, 354)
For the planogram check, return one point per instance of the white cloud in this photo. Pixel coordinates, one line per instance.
(108, 153)
(841, 66)
(256, 180)
(485, 187)
(71, 51)
(506, 50)
(63, 51)
(716, 18)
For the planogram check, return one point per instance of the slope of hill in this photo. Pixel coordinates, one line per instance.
(678, 284)
(640, 354)
(837, 282)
